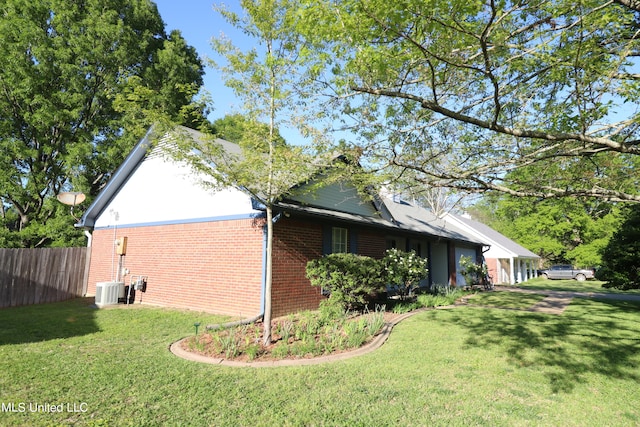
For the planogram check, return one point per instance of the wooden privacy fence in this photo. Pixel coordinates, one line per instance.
(36, 276)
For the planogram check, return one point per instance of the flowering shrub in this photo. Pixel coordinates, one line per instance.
(474, 274)
(404, 271)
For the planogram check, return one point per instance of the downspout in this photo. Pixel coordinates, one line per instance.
(87, 263)
(485, 265)
(264, 268)
(429, 265)
(262, 291)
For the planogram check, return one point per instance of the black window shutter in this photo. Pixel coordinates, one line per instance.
(326, 240)
(353, 241)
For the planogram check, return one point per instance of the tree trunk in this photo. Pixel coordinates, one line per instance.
(268, 279)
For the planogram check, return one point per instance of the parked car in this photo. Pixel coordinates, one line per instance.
(565, 271)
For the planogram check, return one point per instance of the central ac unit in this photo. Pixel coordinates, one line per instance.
(107, 293)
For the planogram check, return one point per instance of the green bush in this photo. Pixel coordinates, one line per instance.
(330, 310)
(404, 271)
(352, 280)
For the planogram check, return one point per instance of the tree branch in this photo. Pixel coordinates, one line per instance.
(505, 130)
(631, 4)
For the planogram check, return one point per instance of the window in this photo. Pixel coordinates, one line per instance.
(417, 248)
(339, 240)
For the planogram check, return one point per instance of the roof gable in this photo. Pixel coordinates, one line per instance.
(492, 236)
(163, 189)
(341, 197)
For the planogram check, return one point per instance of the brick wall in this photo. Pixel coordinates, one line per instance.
(371, 243)
(493, 266)
(294, 244)
(217, 266)
(213, 266)
(297, 242)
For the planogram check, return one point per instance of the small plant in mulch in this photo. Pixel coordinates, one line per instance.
(302, 335)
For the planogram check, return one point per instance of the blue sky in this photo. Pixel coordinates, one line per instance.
(198, 23)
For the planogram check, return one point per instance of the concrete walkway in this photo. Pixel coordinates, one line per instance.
(555, 303)
(552, 304)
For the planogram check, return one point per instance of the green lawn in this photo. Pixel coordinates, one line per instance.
(572, 286)
(463, 366)
(514, 300)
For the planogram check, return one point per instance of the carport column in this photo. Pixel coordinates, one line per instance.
(530, 269)
(512, 273)
(519, 270)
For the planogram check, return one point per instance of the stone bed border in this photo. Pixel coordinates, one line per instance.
(378, 340)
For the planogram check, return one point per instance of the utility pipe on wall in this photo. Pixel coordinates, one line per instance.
(87, 263)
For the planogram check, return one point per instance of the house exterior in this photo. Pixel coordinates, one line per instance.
(205, 250)
(508, 262)
(441, 242)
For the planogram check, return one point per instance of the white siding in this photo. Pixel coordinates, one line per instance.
(496, 251)
(162, 191)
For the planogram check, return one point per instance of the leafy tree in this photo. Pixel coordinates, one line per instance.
(460, 92)
(235, 127)
(566, 230)
(621, 257)
(80, 84)
(266, 79)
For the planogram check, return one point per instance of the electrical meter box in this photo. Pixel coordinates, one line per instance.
(121, 246)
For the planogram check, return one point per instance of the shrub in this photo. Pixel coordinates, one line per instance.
(308, 333)
(474, 274)
(352, 280)
(404, 271)
(330, 311)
